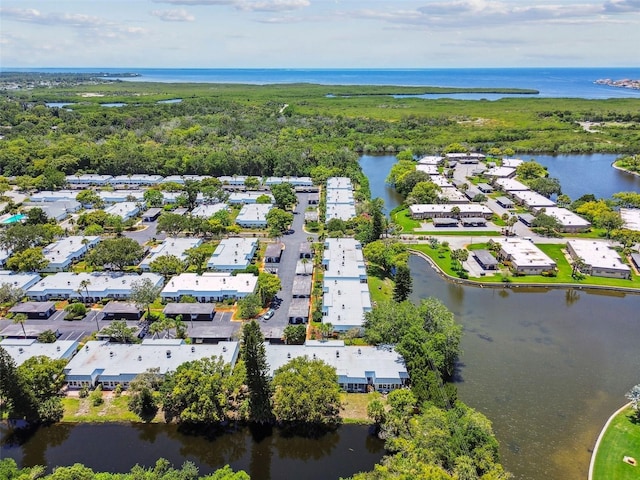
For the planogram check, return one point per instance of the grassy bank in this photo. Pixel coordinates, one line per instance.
(114, 409)
(622, 438)
(442, 258)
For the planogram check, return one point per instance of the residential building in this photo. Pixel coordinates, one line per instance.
(570, 222)
(343, 259)
(431, 160)
(175, 246)
(254, 215)
(119, 196)
(57, 211)
(88, 286)
(510, 185)
(298, 311)
(22, 281)
(439, 210)
(190, 312)
(485, 259)
(111, 364)
(233, 254)
(531, 199)
(88, 180)
(344, 303)
(599, 259)
(62, 253)
(523, 256)
(121, 311)
(465, 158)
(22, 349)
(631, 218)
(208, 211)
(57, 196)
(512, 162)
(359, 369)
(124, 210)
(209, 287)
(428, 168)
(500, 172)
(247, 197)
(136, 181)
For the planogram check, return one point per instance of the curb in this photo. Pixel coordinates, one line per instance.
(592, 463)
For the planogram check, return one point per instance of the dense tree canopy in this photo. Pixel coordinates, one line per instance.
(306, 392)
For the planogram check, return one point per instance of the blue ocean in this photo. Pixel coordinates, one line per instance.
(550, 82)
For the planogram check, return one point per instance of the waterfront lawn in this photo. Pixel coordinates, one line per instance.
(380, 288)
(441, 256)
(354, 406)
(622, 438)
(114, 409)
(408, 224)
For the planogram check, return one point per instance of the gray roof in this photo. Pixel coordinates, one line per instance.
(302, 285)
(189, 308)
(213, 330)
(305, 247)
(504, 200)
(32, 307)
(152, 212)
(273, 250)
(485, 257)
(120, 307)
(469, 220)
(445, 221)
(299, 307)
(636, 259)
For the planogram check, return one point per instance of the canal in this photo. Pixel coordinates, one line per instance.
(547, 367)
(118, 447)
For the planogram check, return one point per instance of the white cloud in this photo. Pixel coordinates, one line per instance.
(246, 5)
(86, 25)
(179, 15)
(272, 5)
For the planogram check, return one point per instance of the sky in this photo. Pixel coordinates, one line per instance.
(319, 33)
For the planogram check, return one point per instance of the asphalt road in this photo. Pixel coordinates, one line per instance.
(287, 268)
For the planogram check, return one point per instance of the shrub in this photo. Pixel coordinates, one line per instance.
(96, 396)
(84, 392)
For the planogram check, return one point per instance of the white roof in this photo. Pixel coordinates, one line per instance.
(207, 211)
(22, 349)
(511, 162)
(631, 217)
(429, 169)
(343, 258)
(533, 199)
(234, 252)
(440, 208)
(336, 197)
(101, 284)
(210, 284)
(247, 197)
(441, 181)
(566, 217)
(598, 255)
(253, 213)
(510, 185)
(123, 210)
(523, 253)
(117, 196)
(171, 246)
(345, 301)
(353, 364)
(339, 183)
(47, 196)
(341, 211)
(20, 280)
(114, 360)
(501, 172)
(68, 248)
(430, 160)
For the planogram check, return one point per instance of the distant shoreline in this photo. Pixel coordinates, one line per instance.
(624, 83)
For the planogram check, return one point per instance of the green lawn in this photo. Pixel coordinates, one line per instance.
(408, 224)
(622, 438)
(380, 289)
(463, 233)
(354, 406)
(554, 251)
(114, 409)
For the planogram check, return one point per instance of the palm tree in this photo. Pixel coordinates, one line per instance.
(155, 328)
(21, 318)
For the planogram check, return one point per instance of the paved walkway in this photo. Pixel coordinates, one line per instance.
(592, 463)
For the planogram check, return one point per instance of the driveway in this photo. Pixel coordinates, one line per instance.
(149, 231)
(287, 268)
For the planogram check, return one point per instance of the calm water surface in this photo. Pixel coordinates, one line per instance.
(546, 367)
(118, 447)
(580, 174)
(376, 168)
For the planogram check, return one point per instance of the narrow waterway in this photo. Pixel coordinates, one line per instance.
(118, 447)
(376, 168)
(547, 367)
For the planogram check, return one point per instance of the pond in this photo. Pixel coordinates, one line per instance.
(118, 447)
(376, 168)
(546, 367)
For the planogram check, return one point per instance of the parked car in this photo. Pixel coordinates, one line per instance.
(269, 314)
